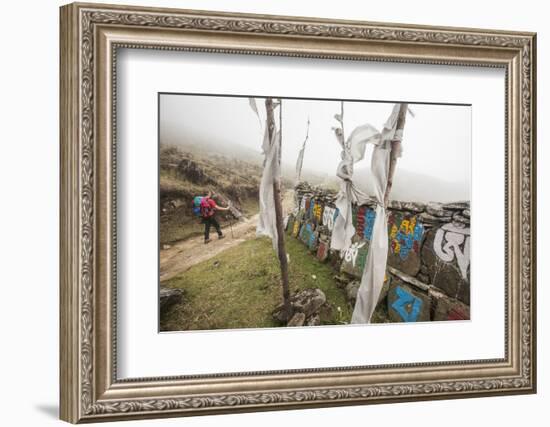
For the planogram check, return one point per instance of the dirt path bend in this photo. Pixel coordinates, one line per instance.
(184, 254)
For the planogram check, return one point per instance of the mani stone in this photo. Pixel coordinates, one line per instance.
(411, 263)
(354, 258)
(169, 297)
(407, 305)
(446, 276)
(322, 250)
(289, 224)
(449, 309)
(466, 213)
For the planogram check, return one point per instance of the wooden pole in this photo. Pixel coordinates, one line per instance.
(279, 210)
(299, 177)
(395, 148)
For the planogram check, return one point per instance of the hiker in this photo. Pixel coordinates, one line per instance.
(208, 209)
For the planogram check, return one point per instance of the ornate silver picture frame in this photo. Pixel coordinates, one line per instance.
(91, 36)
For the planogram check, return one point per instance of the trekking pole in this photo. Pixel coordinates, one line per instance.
(231, 228)
(230, 222)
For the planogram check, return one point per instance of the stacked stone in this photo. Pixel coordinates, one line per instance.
(307, 308)
(423, 282)
(312, 231)
(407, 206)
(437, 213)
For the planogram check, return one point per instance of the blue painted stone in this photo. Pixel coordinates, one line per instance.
(407, 305)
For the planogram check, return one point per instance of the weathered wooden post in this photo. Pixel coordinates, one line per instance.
(395, 149)
(279, 209)
(300, 161)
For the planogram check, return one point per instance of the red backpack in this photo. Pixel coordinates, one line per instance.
(206, 209)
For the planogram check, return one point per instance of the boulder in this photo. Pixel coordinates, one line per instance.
(326, 313)
(314, 320)
(308, 302)
(169, 297)
(297, 320)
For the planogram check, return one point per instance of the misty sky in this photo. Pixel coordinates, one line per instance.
(436, 141)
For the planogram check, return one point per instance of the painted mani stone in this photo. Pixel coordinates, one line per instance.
(308, 235)
(313, 241)
(309, 208)
(317, 212)
(354, 258)
(322, 250)
(296, 228)
(446, 253)
(329, 215)
(406, 305)
(438, 255)
(405, 234)
(303, 204)
(289, 225)
(364, 222)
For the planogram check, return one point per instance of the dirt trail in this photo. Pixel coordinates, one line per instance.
(184, 254)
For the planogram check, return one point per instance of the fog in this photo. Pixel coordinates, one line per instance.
(436, 142)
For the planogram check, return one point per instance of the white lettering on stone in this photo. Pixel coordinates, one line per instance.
(328, 217)
(447, 242)
(350, 254)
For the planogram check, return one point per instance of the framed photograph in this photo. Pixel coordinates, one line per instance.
(267, 212)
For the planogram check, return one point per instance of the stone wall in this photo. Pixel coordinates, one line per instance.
(428, 272)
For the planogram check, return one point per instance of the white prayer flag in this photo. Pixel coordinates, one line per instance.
(374, 271)
(267, 222)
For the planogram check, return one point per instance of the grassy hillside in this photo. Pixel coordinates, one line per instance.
(184, 175)
(240, 287)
